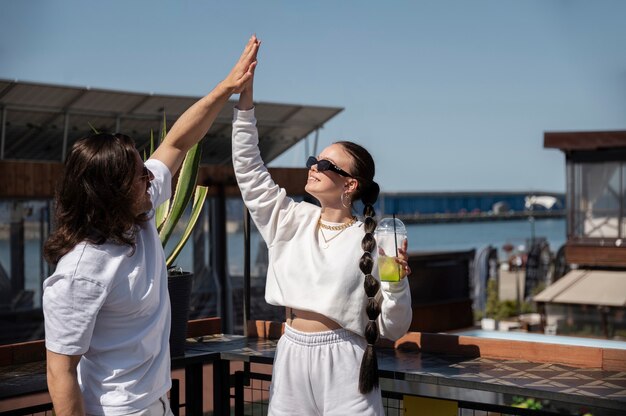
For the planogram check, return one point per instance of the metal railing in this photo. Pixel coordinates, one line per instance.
(252, 399)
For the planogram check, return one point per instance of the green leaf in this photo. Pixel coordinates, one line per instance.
(184, 191)
(95, 130)
(163, 129)
(196, 210)
(170, 212)
(160, 214)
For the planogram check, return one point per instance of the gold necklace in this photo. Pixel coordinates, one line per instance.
(336, 227)
(327, 241)
(341, 228)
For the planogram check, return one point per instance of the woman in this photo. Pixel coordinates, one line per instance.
(320, 269)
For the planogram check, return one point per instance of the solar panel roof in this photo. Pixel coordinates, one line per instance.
(42, 121)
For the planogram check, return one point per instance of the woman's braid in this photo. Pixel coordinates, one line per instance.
(368, 377)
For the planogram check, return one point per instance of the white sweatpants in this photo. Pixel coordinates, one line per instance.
(318, 374)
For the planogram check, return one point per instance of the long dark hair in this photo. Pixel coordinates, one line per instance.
(94, 198)
(363, 170)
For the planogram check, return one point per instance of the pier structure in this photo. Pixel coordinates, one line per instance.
(437, 207)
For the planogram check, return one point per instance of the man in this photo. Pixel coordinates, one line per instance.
(106, 306)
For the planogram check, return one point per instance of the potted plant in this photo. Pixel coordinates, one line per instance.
(497, 310)
(167, 217)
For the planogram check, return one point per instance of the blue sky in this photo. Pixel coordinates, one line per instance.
(447, 95)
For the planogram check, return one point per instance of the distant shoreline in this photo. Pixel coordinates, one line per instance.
(478, 217)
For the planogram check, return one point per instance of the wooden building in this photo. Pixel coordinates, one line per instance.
(591, 298)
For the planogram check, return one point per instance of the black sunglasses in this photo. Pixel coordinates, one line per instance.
(324, 165)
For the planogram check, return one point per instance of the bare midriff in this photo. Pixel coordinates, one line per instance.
(306, 321)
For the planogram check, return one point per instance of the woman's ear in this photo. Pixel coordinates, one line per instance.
(351, 185)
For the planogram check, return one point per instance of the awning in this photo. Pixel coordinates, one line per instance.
(587, 287)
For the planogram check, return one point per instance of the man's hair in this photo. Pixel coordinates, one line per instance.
(94, 199)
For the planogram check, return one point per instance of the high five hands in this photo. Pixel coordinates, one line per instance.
(243, 71)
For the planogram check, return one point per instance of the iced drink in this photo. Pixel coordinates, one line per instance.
(390, 235)
(388, 269)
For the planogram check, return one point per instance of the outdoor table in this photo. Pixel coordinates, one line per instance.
(22, 379)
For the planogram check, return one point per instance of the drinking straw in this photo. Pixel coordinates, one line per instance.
(395, 244)
(395, 237)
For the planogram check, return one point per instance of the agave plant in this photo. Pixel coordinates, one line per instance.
(169, 213)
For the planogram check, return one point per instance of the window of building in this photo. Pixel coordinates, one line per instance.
(596, 202)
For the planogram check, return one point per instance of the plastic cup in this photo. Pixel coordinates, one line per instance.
(390, 235)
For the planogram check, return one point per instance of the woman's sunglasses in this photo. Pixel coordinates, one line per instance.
(324, 165)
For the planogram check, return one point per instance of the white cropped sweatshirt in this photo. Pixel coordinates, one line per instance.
(302, 274)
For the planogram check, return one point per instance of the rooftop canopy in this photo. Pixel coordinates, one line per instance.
(584, 140)
(587, 287)
(42, 121)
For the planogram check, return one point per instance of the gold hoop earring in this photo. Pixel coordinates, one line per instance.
(343, 196)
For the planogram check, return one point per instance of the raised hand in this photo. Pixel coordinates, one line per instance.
(246, 94)
(243, 71)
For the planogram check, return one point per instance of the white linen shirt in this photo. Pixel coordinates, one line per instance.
(301, 273)
(111, 306)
